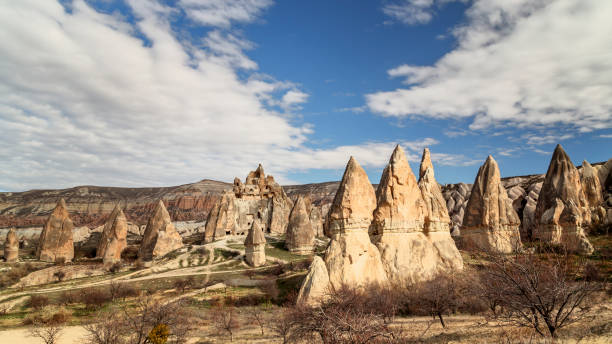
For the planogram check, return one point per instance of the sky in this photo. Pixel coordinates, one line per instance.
(157, 93)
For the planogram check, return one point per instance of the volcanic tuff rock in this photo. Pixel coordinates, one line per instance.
(113, 240)
(11, 246)
(351, 258)
(260, 197)
(490, 222)
(562, 207)
(437, 220)
(55, 243)
(300, 236)
(160, 236)
(408, 253)
(255, 244)
(316, 284)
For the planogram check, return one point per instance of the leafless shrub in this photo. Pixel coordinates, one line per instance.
(225, 318)
(107, 328)
(538, 292)
(343, 317)
(119, 290)
(59, 274)
(48, 333)
(258, 317)
(437, 297)
(282, 324)
(94, 298)
(37, 302)
(68, 297)
(181, 284)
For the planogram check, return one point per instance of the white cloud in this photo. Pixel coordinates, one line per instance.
(545, 139)
(527, 63)
(222, 13)
(606, 136)
(354, 109)
(292, 99)
(84, 101)
(413, 12)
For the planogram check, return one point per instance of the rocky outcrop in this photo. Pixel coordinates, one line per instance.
(300, 238)
(255, 244)
(351, 258)
(408, 252)
(259, 198)
(221, 219)
(316, 285)
(490, 223)
(55, 243)
(114, 237)
(437, 221)
(562, 207)
(160, 236)
(11, 247)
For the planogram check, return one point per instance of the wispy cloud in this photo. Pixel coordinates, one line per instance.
(354, 109)
(564, 79)
(413, 12)
(534, 139)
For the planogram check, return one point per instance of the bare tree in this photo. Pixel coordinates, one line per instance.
(538, 292)
(437, 297)
(344, 317)
(258, 317)
(225, 318)
(282, 324)
(107, 328)
(49, 333)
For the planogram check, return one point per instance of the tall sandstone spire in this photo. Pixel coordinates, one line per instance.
(300, 236)
(437, 220)
(408, 254)
(160, 236)
(56, 243)
(351, 258)
(113, 240)
(11, 246)
(255, 244)
(562, 207)
(490, 222)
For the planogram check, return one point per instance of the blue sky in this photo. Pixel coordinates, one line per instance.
(146, 93)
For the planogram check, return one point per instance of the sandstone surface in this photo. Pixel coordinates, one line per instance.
(351, 258)
(255, 244)
(114, 237)
(160, 236)
(11, 247)
(490, 222)
(562, 207)
(316, 285)
(55, 243)
(300, 238)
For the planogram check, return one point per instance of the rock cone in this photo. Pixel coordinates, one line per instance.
(221, 219)
(56, 244)
(160, 236)
(300, 237)
(11, 246)
(255, 244)
(562, 207)
(591, 185)
(490, 223)
(351, 258)
(113, 240)
(437, 221)
(316, 284)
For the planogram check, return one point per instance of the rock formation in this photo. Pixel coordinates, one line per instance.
(11, 247)
(490, 223)
(316, 284)
(160, 236)
(255, 244)
(113, 240)
(300, 238)
(259, 198)
(55, 243)
(437, 221)
(562, 207)
(407, 251)
(221, 219)
(351, 258)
